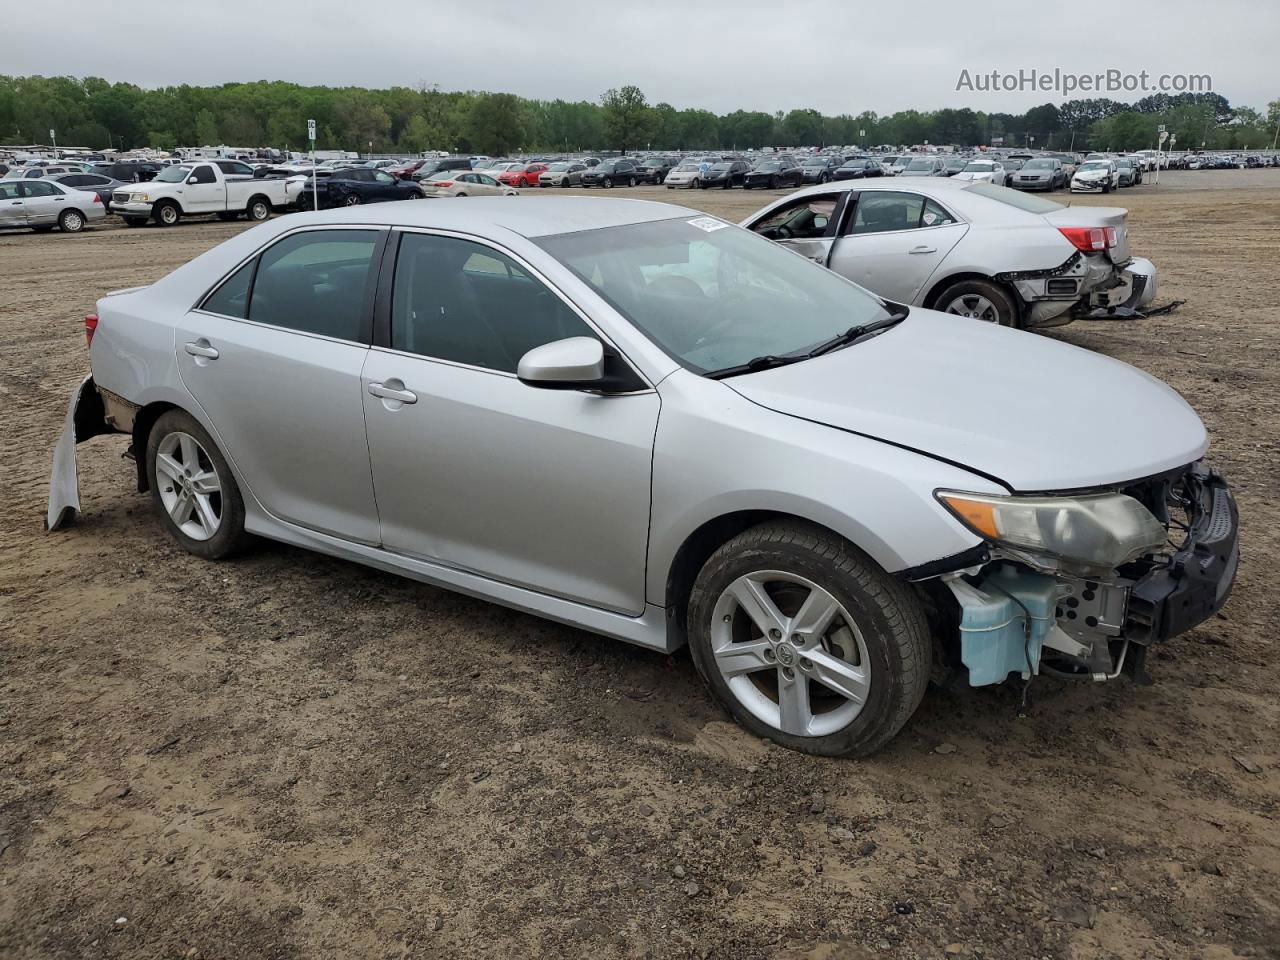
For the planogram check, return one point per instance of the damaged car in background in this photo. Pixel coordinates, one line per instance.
(651, 424)
(967, 247)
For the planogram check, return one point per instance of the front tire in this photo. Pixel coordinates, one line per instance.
(608, 183)
(981, 300)
(168, 214)
(193, 488)
(807, 642)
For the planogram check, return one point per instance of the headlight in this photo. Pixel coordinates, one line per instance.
(1099, 531)
(141, 198)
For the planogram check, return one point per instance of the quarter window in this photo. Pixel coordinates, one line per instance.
(315, 282)
(935, 215)
(465, 302)
(232, 298)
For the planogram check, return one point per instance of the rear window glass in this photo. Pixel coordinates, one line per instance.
(1014, 198)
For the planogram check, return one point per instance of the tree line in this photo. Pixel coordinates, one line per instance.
(91, 112)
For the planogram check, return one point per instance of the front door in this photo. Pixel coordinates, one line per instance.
(806, 225)
(202, 192)
(892, 241)
(273, 357)
(544, 489)
(13, 213)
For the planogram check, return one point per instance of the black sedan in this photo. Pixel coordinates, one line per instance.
(612, 173)
(775, 173)
(726, 174)
(859, 170)
(821, 169)
(351, 186)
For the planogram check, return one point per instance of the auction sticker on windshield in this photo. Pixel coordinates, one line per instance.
(709, 224)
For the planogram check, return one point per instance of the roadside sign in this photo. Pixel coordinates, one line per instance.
(311, 129)
(52, 135)
(1160, 129)
(1163, 136)
(315, 187)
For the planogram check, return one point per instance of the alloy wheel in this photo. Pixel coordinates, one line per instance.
(189, 486)
(976, 306)
(790, 653)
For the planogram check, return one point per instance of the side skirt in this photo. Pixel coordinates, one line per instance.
(649, 630)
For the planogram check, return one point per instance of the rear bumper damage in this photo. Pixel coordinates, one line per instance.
(1015, 619)
(1088, 287)
(91, 412)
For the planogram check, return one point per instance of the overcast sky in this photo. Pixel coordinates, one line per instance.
(835, 55)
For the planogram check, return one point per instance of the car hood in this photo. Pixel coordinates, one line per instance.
(1035, 414)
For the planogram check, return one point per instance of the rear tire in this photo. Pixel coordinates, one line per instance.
(981, 298)
(258, 210)
(199, 466)
(71, 221)
(874, 641)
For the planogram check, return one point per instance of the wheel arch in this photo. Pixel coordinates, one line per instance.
(256, 197)
(698, 546)
(143, 421)
(937, 286)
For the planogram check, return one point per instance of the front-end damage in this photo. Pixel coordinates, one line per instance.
(1013, 612)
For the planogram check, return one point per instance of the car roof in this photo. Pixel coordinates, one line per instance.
(526, 216)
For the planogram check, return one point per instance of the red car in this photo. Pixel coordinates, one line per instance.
(407, 170)
(523, 176)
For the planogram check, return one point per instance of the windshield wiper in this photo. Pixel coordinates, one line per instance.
(856, 333)
(766, 362)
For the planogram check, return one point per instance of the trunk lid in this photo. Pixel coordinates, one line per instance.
(1116, 217)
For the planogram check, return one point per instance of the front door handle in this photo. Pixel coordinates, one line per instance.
(923, 249)
(385, 392)
(201, 348)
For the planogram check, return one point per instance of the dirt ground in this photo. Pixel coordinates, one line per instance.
(292, 756)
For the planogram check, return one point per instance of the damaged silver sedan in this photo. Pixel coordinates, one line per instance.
(656, 426)
(967, 247)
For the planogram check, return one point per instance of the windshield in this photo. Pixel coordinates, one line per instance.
(815, 162)
(978, 168)
(1096, 165)
(558, 167)
(771, 167)
(720, 166)
(687, 168)
(175, 174)
(1039, 165)
(920, 165)
(711, 295)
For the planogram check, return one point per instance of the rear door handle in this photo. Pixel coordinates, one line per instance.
(384, 392)
(201, 348)
(923, 249)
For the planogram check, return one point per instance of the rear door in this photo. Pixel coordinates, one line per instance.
(273, 356)
(43, 202)
(13, 212)
(892, 241)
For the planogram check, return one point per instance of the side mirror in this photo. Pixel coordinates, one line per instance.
(570, 364)
(192, 179)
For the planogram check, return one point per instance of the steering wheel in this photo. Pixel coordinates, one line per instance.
(725, 313)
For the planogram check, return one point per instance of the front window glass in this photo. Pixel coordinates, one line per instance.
(462, 301)
(805, 219)
(711, 295)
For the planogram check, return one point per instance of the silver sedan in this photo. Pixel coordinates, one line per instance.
(650, 424)
(44, 204)
(966, 247)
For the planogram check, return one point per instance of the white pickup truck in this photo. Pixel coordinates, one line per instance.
(196, 188)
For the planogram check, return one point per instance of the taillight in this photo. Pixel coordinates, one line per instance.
(444, 183)
(1089, 239)
(90, 325)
